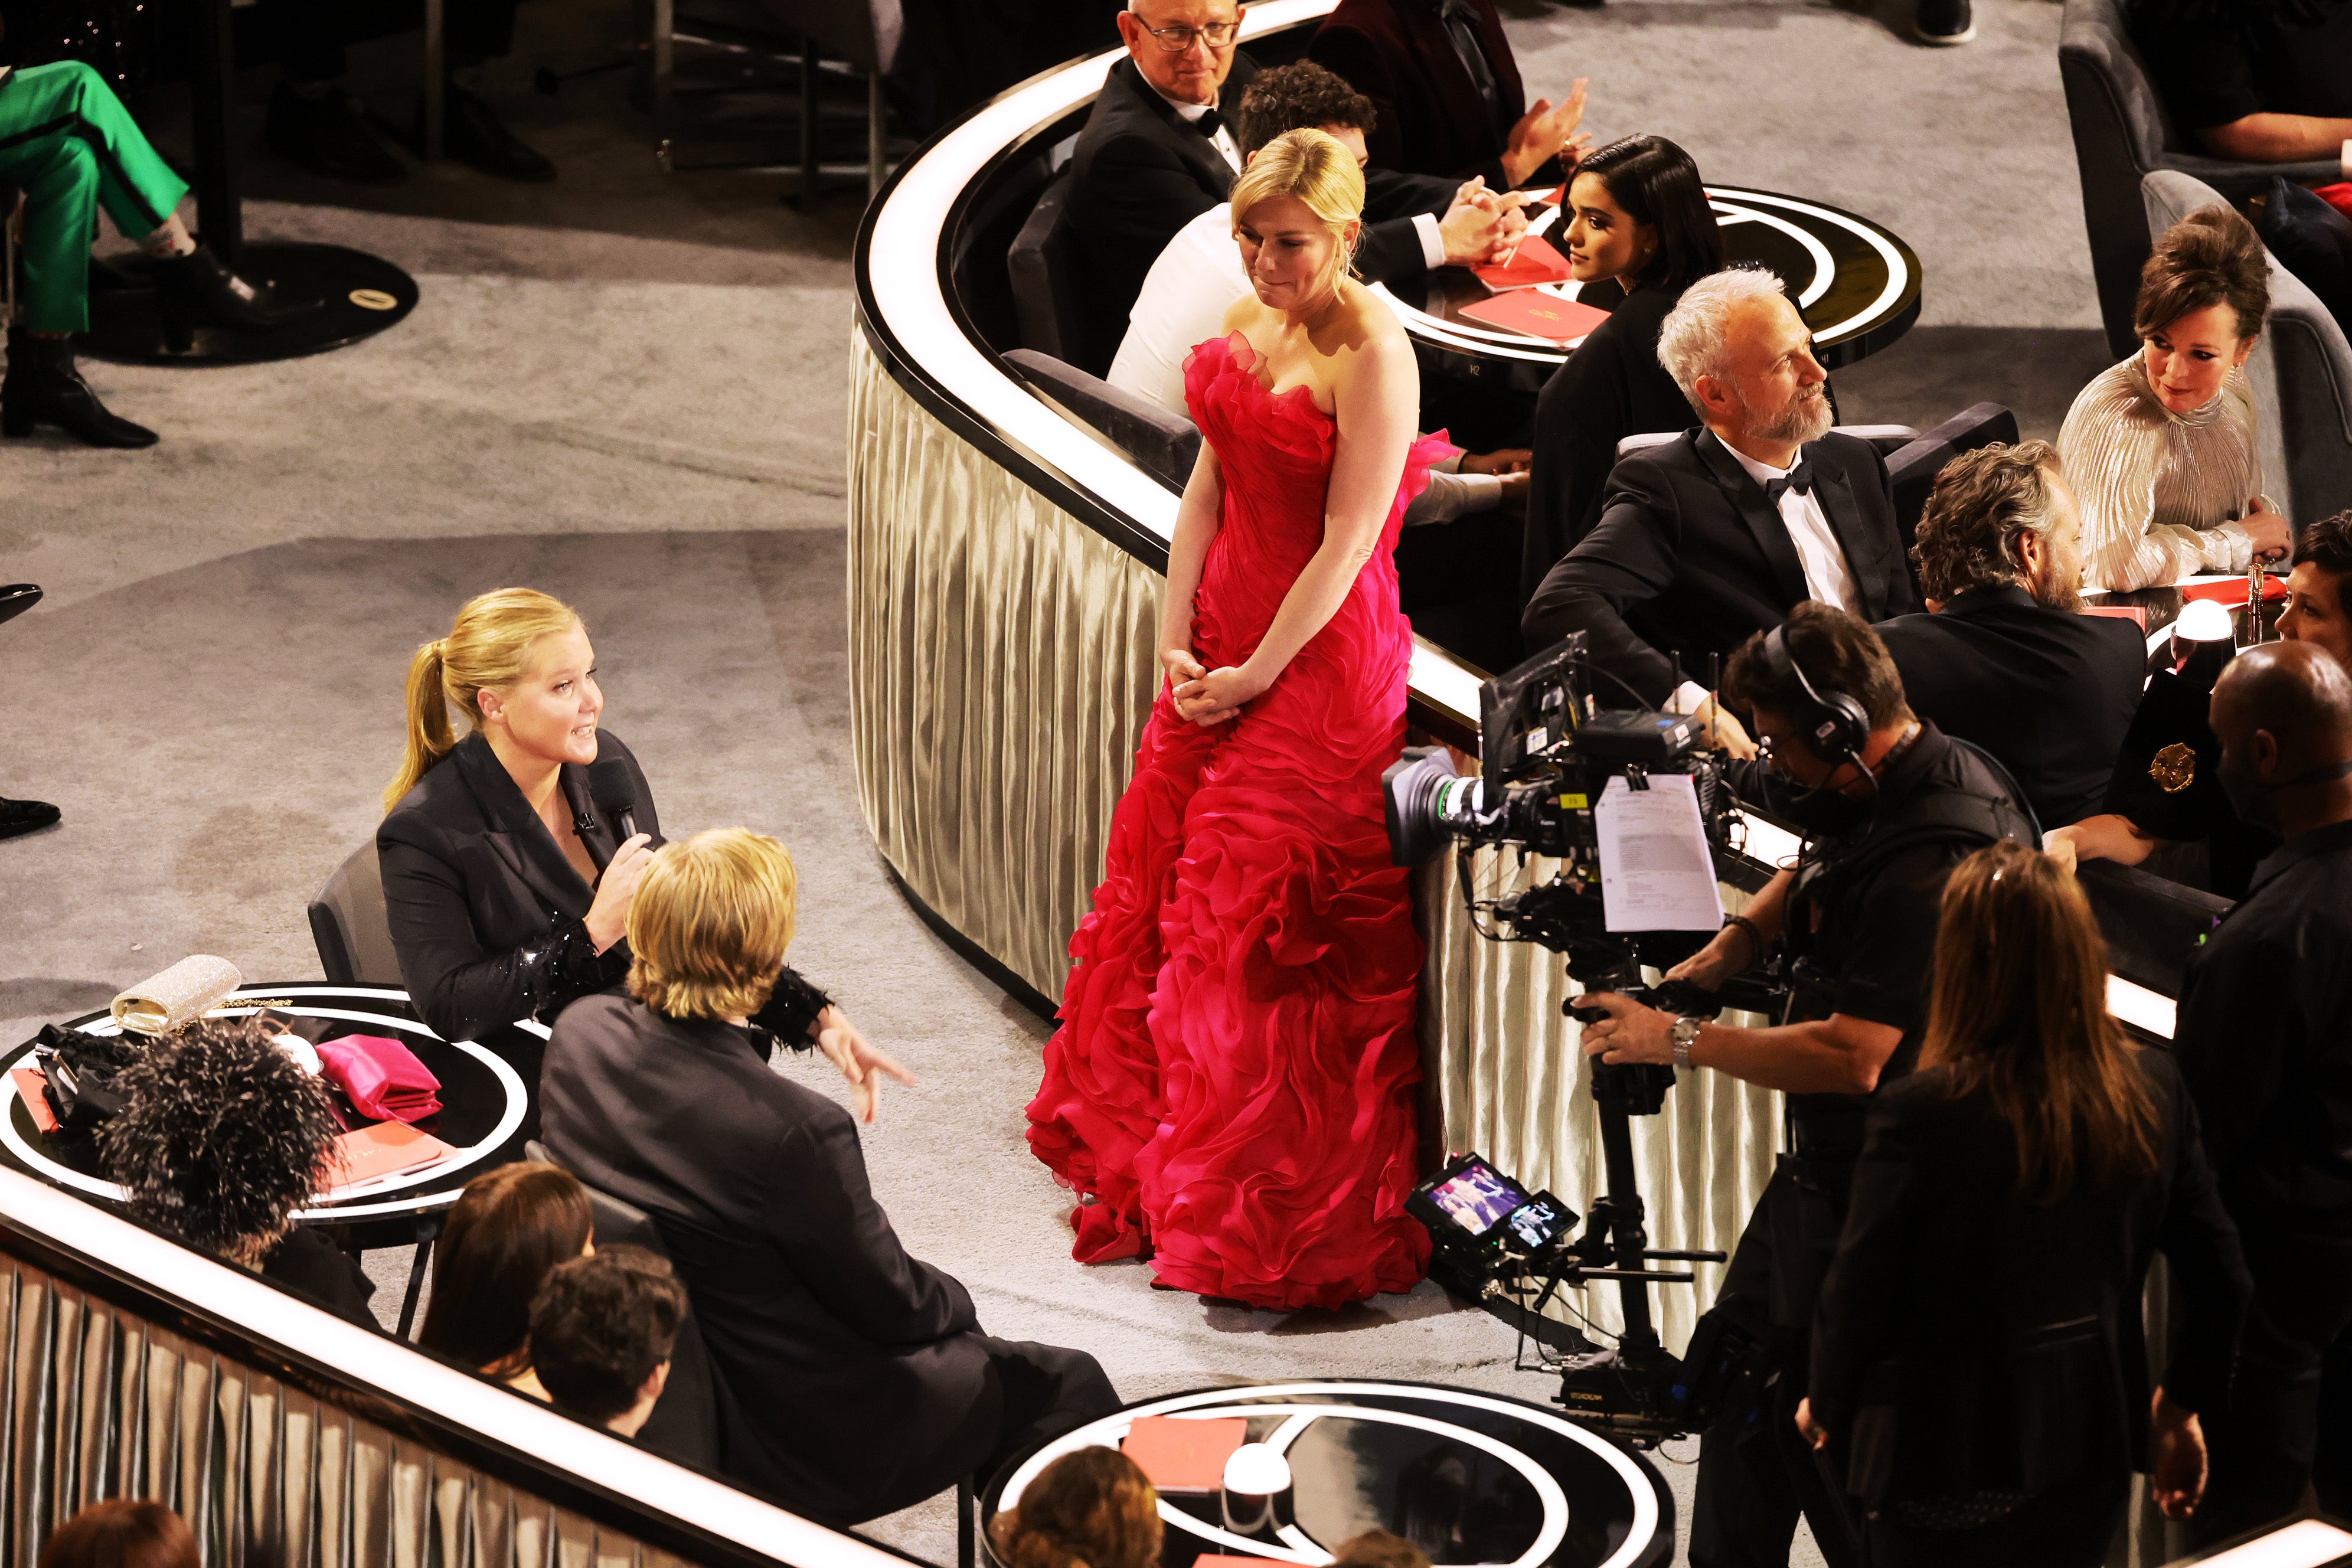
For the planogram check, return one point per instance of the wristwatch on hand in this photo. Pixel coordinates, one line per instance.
(1681, 1035)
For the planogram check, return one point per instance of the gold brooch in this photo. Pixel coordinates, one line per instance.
(2175, 768)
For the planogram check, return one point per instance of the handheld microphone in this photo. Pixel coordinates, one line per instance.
(614, 793)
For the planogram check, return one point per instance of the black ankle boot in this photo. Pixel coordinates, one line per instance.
(195, 291)
(42, 387)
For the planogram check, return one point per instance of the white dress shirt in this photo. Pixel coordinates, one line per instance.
(1828, 578)
(1190, 114)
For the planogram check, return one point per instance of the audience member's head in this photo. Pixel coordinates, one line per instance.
(1303, 97)
(221, 1138)
(601, 1330)
(1744, 357)
(2283, 712)
(2002, 515)
(1297, 209)
(2019, 1009)
(518, 665)
(1378, 1549)
(712, 920)
(2316, 609)
(1089, 1509)
(1638, 213)
(122, 1534)
(1184, 48)
(1828, 650)
(506, 1234)
(2203, 294)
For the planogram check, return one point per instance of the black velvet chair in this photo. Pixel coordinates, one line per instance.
(1043, 293)
(1164, 445)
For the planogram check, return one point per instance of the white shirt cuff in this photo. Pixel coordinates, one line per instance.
(2236, 555)
(1687, 697)
(1432, 243)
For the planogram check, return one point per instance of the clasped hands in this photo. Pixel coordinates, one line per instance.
(1207, 697)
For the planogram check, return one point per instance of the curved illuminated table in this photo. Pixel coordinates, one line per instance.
(1855, 282)
(489, 1110)
(1004, 568)
(1469, 1478)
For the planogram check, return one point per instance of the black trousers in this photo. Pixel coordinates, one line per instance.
(311, 34)
(1042, 1392)
(2069, 1526)
(2288, 1424)
(1756, 1479)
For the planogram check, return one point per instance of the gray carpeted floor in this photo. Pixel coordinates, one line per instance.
(629, 389)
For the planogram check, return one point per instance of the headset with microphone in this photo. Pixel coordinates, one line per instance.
(1833, 728)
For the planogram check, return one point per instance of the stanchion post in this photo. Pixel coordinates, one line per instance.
(214, 88)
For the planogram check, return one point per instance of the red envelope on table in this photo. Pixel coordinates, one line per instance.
(381, 1077)
(2136, 614)
(1554, 196)
(385, 1150)
(30, 1082)
(1545, 316)
(1534, 261)
(2232, 590)
(1180, 1456)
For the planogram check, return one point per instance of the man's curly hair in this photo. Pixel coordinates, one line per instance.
(222, 1136)
(1298, 97)
(1981, 502)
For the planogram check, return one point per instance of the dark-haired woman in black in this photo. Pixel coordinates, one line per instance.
(1639, 227)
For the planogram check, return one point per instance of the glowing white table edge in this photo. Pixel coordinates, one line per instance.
(408, 1377)
(1108, 1431)
(518, 1099)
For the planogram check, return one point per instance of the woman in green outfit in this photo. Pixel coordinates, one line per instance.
(68, 144)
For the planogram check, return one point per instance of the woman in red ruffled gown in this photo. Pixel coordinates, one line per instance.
(1234, 1081)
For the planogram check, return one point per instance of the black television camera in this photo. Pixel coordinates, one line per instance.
(1547, 750)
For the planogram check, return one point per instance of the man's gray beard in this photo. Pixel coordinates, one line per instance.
(1805, 419)
(2051, 594)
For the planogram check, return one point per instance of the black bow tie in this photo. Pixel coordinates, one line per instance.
(1209, 125)
(1799, 478)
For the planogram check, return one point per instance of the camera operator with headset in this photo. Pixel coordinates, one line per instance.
(1889, 806)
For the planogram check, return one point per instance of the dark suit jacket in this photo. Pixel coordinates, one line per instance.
(1690, 556)
(1968, 1340)
(857, 1372)
(2049, 693)
(486, 911)
(1431, 121)
(1139, 173)
(1613, 386)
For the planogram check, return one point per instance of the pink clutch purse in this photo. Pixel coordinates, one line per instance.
(381, 1078)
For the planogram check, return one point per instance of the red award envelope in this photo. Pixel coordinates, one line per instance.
(1562, 322)
(385, 1149)
(1534, 262)
(1180, 1456)
(30, 1081)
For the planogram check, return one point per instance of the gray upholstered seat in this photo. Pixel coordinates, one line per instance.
(1043, 300)
(1166, 445)
(2301, 372)
(2121, 134)
(348, 925)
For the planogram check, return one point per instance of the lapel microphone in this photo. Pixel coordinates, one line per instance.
(614, 793)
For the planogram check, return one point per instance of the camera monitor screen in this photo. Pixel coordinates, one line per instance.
(1540, 1221)
(1477, 1198)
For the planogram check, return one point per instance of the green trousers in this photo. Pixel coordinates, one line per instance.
(68, 144)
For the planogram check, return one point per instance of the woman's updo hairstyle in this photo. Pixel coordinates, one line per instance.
(489, 648)
(1657, 183)
(2212, 256)
(1093, 1507)
(1312, 167)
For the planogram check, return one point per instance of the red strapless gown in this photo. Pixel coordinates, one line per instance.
(1236, 1064)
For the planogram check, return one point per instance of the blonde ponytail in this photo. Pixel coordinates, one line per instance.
(487, 649)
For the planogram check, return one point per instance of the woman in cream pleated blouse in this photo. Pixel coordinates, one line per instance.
(2160, 449)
